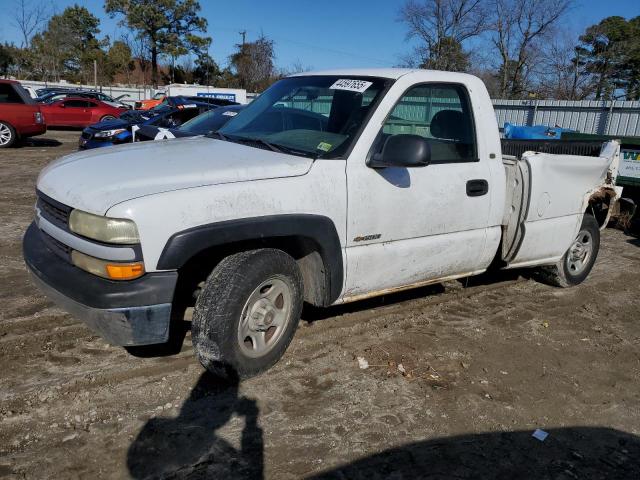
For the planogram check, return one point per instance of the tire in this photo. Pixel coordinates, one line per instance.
(247, 313)
(576, 264)
(107, 117)
(7, 135)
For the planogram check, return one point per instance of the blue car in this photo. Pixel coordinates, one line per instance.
(203, 124)
(170, 114)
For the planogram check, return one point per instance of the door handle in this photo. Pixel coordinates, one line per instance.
(477, 187)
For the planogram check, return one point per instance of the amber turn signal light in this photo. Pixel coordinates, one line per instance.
(125, 271)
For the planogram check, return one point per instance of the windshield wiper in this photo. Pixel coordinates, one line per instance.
(249, 140)
(221, 136)
(275, 147)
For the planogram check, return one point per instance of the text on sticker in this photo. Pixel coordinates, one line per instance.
(351, 85)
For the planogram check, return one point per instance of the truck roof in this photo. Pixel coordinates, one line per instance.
(393, 73)
(362, 72)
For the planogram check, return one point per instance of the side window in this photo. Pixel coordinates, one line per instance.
(8, 94)
(439, 113)
(75, 104)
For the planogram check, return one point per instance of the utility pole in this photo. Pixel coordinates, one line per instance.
(95, 74)
(244, 34)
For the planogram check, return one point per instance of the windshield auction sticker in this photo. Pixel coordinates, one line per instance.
(351, 85)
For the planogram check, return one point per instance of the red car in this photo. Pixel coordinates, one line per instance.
(20, 116)
(78, 112)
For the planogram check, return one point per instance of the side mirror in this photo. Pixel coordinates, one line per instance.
(402, 150)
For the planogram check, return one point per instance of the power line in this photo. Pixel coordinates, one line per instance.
(311, 46)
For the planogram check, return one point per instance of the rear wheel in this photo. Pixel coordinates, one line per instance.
(577, 262)
(107, 118)
(7, 135)
(247, 312)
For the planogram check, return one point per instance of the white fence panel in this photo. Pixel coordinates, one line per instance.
(586, 116)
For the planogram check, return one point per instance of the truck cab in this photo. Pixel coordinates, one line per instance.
(384, 180)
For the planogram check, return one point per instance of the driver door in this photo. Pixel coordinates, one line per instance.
(410, 226)
(75, 113)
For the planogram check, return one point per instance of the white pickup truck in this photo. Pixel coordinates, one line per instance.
(331, 187)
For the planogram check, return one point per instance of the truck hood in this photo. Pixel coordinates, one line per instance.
(95, 180)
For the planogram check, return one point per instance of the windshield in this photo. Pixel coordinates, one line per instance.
(210, 121)
(161, 106)
(309, 115)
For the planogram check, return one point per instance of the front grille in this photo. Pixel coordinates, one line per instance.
(60, 249)
(56, 212)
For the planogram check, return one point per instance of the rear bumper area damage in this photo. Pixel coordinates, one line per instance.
(124, 313)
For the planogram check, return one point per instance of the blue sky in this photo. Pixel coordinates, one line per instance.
(318, 34)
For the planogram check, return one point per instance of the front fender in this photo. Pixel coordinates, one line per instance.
(184, 245)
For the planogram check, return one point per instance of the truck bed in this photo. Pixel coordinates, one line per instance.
(547, 191)
(584, 148)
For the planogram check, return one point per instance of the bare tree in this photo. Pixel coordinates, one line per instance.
(518, 26)
(441, 26)
(563, 74)
(29, 19)
(140, 53)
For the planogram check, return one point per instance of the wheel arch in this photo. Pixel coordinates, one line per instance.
(312, 240)
(601, 204)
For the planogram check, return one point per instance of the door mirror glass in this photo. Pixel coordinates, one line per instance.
(403, 150)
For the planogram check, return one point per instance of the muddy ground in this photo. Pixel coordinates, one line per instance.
(486, 362)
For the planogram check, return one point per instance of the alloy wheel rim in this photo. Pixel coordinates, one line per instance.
(5, 134)
(265, 316)
(580, 253)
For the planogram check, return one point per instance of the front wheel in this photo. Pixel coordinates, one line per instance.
(7, 135)
(577, 262)
(107, 118)
(247, 312)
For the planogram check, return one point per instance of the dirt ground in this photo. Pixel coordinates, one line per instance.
(459, 377)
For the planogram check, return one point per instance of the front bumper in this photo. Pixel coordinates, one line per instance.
(125, 313)
(90, 143)
(32, 130)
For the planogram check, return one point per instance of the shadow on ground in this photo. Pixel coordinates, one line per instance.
(567, 453)
(40, 142)
(312, 314)
(187, 446)
(634, 241)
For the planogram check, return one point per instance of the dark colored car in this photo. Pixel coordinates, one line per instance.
(45, 90)
(20, 115)
(103, 97)
(79, 112)
(115, 132)
(220, 102)
(204, 123)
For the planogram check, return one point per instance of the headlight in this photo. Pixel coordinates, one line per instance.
(109, 133)
(103, 229)
(107, 269)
